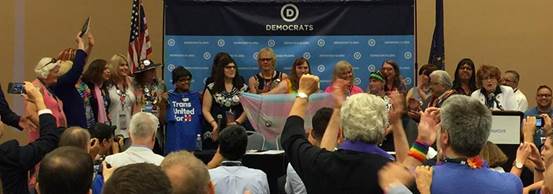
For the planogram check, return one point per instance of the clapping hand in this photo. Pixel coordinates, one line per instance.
(523, 152)
(529, 128)
(394, 115)
(428, 125)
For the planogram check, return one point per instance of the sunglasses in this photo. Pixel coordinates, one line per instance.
(265, 59)
(53, 60)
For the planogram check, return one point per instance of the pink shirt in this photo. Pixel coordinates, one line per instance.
(52, 103)
(354, 90)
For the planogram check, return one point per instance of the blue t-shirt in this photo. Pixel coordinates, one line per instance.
(97, 184)
(184, 121)
(535, 112)
(454, 178)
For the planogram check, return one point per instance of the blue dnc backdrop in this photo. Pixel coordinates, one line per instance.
(365, 33)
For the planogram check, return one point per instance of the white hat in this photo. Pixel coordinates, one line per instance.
(42, 69)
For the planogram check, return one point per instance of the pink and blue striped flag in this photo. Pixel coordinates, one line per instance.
(268, 113)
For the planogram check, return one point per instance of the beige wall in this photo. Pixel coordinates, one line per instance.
(510, 34)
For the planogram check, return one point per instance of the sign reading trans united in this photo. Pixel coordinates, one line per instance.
(364, 33)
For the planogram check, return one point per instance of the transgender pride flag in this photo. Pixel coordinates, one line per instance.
(268, 113)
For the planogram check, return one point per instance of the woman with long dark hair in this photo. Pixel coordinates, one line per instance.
(465, 77)
(390, 71)
(299, 67)
(96, 77)
(221, 102)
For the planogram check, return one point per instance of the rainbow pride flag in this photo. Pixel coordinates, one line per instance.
(268, 113)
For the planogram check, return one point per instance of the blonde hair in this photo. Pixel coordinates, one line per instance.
(44, 66)
(271, 52)
(493, 155)
(114, 63)
(339, 68)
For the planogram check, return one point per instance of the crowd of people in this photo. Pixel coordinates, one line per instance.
(103, 129)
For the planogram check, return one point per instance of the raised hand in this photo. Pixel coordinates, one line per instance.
(394, 115)
(91, 40)
(523, 152)
(309, 84)
(428, 125)
(529, 129)
(534, 160)
(79, 40)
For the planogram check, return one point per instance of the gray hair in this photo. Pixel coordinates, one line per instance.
(364, 118)
(443, 78)
(271, 52)
(143, 125)
(467, 122)
(194, 176)
(516, 76)
(44, 66)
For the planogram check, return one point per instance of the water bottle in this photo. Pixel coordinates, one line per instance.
(199, 142)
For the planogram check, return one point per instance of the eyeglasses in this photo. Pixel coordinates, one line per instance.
(265, 59)
(53, 60)
(230, 67)
(544, 95)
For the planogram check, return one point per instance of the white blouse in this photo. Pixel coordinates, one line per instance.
(506, 99)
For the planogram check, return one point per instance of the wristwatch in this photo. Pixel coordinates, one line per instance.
(518, 164)
(302, 95)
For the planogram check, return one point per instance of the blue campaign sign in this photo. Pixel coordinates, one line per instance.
(363, 33)
(365, 53)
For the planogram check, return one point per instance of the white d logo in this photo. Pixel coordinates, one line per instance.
(289, 12)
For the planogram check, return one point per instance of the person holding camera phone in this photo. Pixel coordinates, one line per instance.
(11, 118)
(17, 160)
(543, 107)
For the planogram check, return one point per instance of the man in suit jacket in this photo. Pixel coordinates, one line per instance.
(6, 114)
(16, 160)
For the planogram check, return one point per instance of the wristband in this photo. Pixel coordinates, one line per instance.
(418, 151)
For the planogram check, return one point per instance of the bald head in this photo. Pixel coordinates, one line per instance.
(65, 170)
(187, 174)
(76, 137)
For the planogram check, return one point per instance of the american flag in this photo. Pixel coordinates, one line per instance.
(139, 43)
